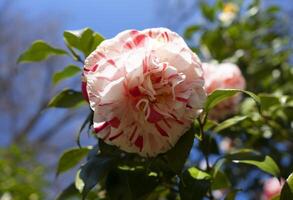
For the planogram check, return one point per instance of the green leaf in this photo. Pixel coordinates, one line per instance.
(220, 95)
(89, 121)
(267, 101)
(251, 157)
(91, 173)
(71, 158)
(207, 11)
(85, 40)
(220, 181)
(68, 192)
(67, 72)
(190, 31)
(287, 190)
(133, 184)
(198, 174)
(229, 122)
(66, 99)
(180, 151)
(39, 51)
(194, 184)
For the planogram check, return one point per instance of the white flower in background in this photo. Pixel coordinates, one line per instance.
(228, 13)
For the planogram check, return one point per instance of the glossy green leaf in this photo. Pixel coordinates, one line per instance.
(194, 184)
(71, 158)
(229, 122)
(287, 190)
(91, 173)
(251, 157)
(67, 99)
(85, 40)
(220, 95)
(180, 151)
(190, 31)
(67, 72)
(39, 51)
(267, 101)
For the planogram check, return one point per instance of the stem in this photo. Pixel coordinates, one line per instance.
(205, 151)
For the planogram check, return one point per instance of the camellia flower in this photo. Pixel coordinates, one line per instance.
(223, 76)
(272, 187)
(145, 88)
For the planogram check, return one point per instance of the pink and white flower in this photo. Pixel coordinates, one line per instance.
(223, 76)
(145, 88)
(272, 187)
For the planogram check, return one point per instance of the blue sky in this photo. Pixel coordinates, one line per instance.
(105, 16)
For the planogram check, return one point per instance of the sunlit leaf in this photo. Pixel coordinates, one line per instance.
(220, 95)
(229, 122)
(251, 157)
(39, 51)
(85, 40)
(67, 72)
(71, 158)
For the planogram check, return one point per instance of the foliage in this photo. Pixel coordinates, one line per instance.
(261, 132)
(21, 175)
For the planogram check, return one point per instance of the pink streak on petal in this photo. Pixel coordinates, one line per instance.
(106, 136)
(139, 142)
(101, 126)
(115, 136)
(84, 91)
(177, 120)
(133, 133)
(167, 36)
(161, 130)
(139, 39)
(135, 91)
(127, 45)
(154, 116)
(181, 99)
(111, 62)
(167, 123)
(134, 32)
(115, 122)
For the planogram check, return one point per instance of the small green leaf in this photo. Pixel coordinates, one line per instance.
(229, 122)
(207, 11)
(91, 173)
(251, 157)
(39, 51)
(67, 99)
(85, 40)
(287, 190)
(67, 72)
(180, 151)
(190, 31)
(194, 184)
(198, 174)
(68, 192)
(220, 95)
(71, 158)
